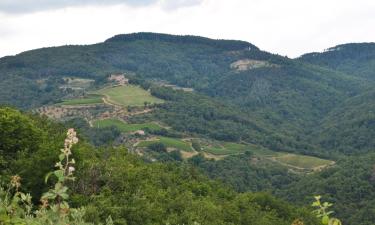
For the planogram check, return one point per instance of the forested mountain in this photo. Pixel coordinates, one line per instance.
(356, 59)
(285, 96)
(320, 104)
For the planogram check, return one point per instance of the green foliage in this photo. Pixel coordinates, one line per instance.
(356, 59)
(323, 213)
(16, 208)
(349, 185)
(14, 124)
(196, 145)
(246, 172)
(157, 147)
(97, 136)
(134, 192)
(277, 106)
(111, 181)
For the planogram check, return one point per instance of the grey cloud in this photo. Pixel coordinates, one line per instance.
(26, 6)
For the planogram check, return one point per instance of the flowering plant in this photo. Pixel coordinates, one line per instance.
(323, 212)
(16, 207)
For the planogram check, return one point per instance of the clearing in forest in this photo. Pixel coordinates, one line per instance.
(125, 127)
(89, 99)
(128, 95)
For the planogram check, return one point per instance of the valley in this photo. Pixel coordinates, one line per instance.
(253, 120)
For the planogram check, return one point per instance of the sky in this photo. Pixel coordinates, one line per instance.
(285, 27)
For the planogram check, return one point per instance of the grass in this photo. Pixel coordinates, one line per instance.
(287, 159)
(302, 161)
(226, 148)
(169, 142)
(90, 99)
(128, 95)
(125, 127)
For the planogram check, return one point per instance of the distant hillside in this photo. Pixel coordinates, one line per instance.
(283, 96)
(357, 59)
(350, 128)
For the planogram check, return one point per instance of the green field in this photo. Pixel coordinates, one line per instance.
(128, 95)
(291, 160)
(125, 127)
(170, 143)
(302, 161)
(90, 99)
(225, 148)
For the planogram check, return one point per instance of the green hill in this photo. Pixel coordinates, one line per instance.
(356, 59)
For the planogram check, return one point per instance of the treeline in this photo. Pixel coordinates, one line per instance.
(356, 59)
(183, 39)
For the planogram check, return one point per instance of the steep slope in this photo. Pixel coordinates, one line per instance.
(356, 59)
(350, 128)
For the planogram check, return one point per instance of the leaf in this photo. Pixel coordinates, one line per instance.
(325, 220)
(64, 195)
(334, 221)
(315, 204)
(60, 175)
(61, 156)
(47, 177)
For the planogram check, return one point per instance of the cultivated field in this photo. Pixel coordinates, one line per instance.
(302, 161)
(90, 99)
(128, 95)
(125, 127)
(226, 149)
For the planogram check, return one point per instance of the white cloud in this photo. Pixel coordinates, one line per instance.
(289, 27)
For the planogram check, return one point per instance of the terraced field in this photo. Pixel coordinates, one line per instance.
(169, 143)
(125, 127)
(226, 149)
(128, 95)
(90, 99)
(302, 161)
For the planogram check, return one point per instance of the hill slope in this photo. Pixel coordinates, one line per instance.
(278, 94)
(356, 59)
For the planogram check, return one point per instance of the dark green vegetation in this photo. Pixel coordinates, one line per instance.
(169, 143)
(112, 182)
(357, 59)
(350, 185)
(321, 104)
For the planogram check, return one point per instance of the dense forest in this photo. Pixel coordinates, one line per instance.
(112, 183)
(320, 104)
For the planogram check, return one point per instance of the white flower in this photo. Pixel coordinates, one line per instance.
(71, 169)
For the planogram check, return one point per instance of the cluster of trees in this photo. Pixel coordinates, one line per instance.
(110, 181)
(246, 173)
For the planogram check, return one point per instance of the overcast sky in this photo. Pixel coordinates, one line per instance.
(286, 27)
